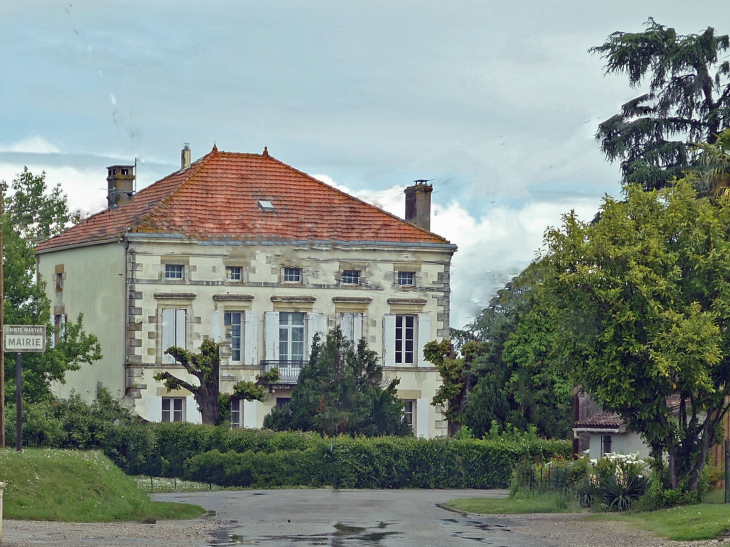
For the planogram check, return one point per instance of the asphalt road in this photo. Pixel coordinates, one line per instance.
(350, 517)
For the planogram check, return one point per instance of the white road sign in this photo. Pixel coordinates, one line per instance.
(24, 338)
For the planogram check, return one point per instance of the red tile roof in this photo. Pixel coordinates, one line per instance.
(217, 198)
(609, 420)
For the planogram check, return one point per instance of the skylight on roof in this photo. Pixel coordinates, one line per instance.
(267, 206)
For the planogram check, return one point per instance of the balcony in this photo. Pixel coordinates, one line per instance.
(288, 370)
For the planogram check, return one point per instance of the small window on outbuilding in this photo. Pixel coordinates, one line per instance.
(267, 206)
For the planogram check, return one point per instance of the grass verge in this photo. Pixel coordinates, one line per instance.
(75, 486)
(686, 523)
(545, 503)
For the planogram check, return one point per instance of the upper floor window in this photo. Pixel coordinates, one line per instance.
(405, 336)
(291, 336)
(405, 278)
(233, 273)
(173, 331)
(351, 276)
(234, 319)
(292, 275)
(173, 271)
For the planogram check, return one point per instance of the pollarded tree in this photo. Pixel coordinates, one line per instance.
(641, 302)
(205, 366)
(688, 100)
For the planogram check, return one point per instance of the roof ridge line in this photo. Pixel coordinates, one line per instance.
(270, 157)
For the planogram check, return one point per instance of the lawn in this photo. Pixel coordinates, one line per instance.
(547, 503)
(76, 486)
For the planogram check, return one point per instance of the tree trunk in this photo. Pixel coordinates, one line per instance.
(207, 400)
(672, 453)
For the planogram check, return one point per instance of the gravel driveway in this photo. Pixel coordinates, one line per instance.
(273, 518)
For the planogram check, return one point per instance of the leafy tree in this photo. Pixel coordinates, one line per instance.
(457, 378)
(205, 366)
(713, 166)
(26, 303)
(641, 303)
(688, 100)
(342, 390)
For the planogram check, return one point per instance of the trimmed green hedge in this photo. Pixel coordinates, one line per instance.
(261, 458)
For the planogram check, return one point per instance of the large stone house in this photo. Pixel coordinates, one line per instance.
(246, 250)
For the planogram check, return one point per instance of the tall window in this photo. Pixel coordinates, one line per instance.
(172, 409)
(234, 319)
(605, 444)
(236, 413)
(233, 273)
(291, 336)
(405, 327)
(409, 409)
(351, 277)
(59, 322)
(173, 271)
(405, 278)
(173, 332)
(292, 275)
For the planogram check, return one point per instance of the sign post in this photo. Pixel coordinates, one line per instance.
(21, 339)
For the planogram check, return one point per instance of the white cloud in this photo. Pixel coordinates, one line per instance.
(492, 248)
(31, 145)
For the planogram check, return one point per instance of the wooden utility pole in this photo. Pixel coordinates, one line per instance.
(2, 324)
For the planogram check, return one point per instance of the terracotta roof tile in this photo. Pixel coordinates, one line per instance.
(606, 419)
(217, 198)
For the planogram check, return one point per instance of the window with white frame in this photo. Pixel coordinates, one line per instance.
(236, 413)
(351, 277)
(234, 273)
(292, 275)
(59, 324)
(351, 325)
(291, 336)
(234, 320)
(173, 331)
(405, 278)
(409, 409)
(173, 409)
(173, 271)
(405, 337)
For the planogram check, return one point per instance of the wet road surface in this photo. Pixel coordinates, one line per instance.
(273, 518)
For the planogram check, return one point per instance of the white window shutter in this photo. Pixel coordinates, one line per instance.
(180, 324)
(168, 334)
(424, 336)
(316, 323)
(423, 408)
(251, 338)
(63, 325)
(357, 320)
(389, 340)
(346, 324)
(271, 335)
(250, 409)
(215, 327)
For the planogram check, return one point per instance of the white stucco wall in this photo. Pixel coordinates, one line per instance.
(621, 443)
(93, 284)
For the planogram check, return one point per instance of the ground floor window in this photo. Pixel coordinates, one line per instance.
(605, 444)
(172, 409)
(409, 408)
(236, 414)
(281, 402)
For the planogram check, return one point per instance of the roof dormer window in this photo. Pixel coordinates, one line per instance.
(266, 205)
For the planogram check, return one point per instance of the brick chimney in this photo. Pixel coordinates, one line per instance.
(120, 185)
(185, 157)
(418, 204)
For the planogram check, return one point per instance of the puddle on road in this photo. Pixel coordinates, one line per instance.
(344, 534)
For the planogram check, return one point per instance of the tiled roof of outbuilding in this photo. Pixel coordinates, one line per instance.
(218, 198)
(609, 420)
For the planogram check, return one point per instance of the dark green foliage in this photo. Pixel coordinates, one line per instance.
(688, 100)
(342, 390)
(515, 382)
(381, 462)
(31, 214)
(617, 496)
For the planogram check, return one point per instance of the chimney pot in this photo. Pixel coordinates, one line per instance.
(418, 204)
(120, 185)
(185, 157)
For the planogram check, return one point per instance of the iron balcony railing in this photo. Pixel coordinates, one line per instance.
(288, 370)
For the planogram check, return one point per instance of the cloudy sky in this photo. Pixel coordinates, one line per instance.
(496, 101)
